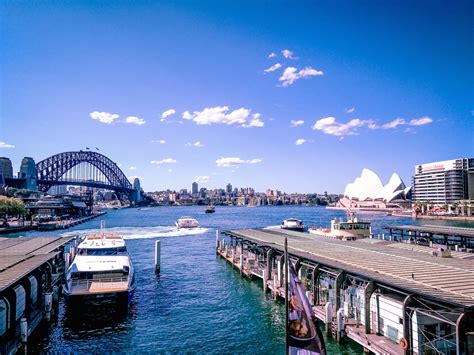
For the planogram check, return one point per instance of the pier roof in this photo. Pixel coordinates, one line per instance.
(21, 256)
(442, 230)
(447, 280)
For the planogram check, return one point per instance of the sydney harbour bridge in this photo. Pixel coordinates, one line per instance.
(78, 168)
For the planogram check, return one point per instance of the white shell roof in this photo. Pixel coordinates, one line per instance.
(369, 187)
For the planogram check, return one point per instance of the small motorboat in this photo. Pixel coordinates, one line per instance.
(210, 209)
(187, 222)
(293, 224)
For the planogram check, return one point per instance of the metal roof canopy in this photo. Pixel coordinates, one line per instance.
(410, 272)
(443, 230)
(21, 256)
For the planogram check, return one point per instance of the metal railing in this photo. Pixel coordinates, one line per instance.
(99, 284)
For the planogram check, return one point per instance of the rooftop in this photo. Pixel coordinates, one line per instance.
(447, 280)
(20, 256)
(442, 230)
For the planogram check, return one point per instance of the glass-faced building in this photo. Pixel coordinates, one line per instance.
(444, 182)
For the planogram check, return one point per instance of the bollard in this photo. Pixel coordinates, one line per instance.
(328, 317)
(456, 247)
(157, 256)
(340, 324)
(279, 271)
(67, 261)
(48, 305)
(275, 286)
(217, 239)
(55, 294)
(265, 276)
(24, 330)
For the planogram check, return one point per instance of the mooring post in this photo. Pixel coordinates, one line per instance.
(275, 286)
(48, 305)
(264, 279)
(217, 240)
(328, 317)
(157, 256)
(340, 324)
(24, 330)
(241, 264)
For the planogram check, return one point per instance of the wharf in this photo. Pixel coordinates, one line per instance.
(383, 289)
(31, 270)
(49, 226)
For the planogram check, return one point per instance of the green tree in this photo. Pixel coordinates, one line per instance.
(11, 207)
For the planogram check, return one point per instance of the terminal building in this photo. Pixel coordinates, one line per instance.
(444, 182)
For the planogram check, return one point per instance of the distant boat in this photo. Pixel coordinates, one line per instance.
(187, 222)
(210, 209)
(293, 224)
(352, 229)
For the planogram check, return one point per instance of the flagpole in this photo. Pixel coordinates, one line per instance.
(286, 297)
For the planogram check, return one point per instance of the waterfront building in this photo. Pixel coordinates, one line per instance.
(137, 196)
(6, 169)
(29, 173)
(368, 192)
(194, 188)
(444, 182)
(228, 189)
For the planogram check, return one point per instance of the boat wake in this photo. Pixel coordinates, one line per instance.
(144, 232)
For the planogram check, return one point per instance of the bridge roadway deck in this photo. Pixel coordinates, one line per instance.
(21, 256)
(447, 280)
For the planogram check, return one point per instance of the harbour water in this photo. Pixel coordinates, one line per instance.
(198, 303)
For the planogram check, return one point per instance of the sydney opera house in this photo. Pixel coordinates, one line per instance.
(368, 192)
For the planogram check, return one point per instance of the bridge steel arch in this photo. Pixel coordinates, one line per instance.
(50, 171)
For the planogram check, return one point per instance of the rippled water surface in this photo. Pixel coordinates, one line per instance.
(198, 303)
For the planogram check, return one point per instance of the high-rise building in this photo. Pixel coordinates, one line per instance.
(28, 172)
(228, 189)
(137, 196)
(444, 182)
(6, 169)
(195, 188)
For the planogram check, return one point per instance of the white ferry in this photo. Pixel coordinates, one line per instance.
(352, 229)
(187, 222)
(101, 269)
(292, 224)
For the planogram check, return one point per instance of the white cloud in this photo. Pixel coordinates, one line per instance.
(104, 117)
(202, 179)
(132, 168)
(329, 125)
(291, 74)
(161, 141)
(6, 145)
(421, 121)
(295, 123)
(164, 161)
(272, 55)
(394, 124)
(232, 162)
(222, 115)
(170, 170)
(300, 141)
(273, 68)
(288, 54)
(350, 110)
(134, 177)
(135, 120)
(167, 113)
(195, 144)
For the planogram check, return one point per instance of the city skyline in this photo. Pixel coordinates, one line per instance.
(298, 99)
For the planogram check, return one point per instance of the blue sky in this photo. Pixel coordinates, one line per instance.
(382, 85)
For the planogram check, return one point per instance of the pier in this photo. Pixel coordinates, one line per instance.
(31, 273)
(393, 300)
(452, 237)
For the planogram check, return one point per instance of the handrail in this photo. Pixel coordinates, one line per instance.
(102, 282)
